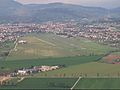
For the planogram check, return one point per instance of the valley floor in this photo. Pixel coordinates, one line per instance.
(81, 58)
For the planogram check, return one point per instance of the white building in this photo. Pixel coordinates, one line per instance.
(49, 68)
(22, 42)
(22, 72)
(54, 67)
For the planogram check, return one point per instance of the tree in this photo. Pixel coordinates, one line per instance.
(64, 75)
(2, 67)
(45, 74)
(118, 74)
(85, 75)
(98, 74)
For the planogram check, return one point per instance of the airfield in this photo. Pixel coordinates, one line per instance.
(81, 57)
(49, 45)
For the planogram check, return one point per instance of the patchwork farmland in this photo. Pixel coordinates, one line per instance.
(80, 57)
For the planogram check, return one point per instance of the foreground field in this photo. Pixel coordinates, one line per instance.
(49, 45)
(43, 83)
(64, 83)
(98, 83)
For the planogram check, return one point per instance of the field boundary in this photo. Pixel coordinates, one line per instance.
(75, 83)
(21, 79)
(15, 46)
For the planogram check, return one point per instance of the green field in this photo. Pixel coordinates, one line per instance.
(64, 83)
(43, 83)
(98, 83)
(87, 69)
(67, 61)
(116, 53)
(49, 45)
(74, 66)
(5, 47)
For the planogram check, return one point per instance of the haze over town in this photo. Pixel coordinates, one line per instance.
(98, 3)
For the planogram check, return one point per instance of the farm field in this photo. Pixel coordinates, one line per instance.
(74, 66)
(113, 58)
(85, 46)
(67, 61)
(98, 83)
(49, 45)
(116, 53)
(64, 83)
(43, 83)
(86, 70)
(5, 48)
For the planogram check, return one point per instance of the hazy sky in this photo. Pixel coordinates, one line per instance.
(99, 3)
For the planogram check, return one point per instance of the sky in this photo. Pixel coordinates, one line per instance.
(98, 3)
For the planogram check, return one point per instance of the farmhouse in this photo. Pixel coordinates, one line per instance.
(36, 69)
(27, 71)
(55, 67)
(48, 68)
(22, 72)
(22, 42)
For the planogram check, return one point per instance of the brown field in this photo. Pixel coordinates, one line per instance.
(3, 78)
(111, 58)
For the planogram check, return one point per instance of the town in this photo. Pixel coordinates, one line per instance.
(106, 33)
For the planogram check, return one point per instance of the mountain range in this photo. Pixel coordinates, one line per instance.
(13, 12)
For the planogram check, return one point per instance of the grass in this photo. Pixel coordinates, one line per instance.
(5, 47)
(64, 83)
(84, 45)
(86, 69)
(49, 45)
(43, 83)
(67, 61)
(116, 53)
(98, 83)
(34, 49)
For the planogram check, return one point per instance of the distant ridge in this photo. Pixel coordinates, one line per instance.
(14, 12)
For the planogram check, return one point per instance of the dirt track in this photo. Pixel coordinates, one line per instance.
(111, 58)
(2, 79)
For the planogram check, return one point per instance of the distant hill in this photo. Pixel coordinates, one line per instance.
(9, 4)
(14, 12)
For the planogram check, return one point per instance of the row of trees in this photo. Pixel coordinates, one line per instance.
(8, 83)
(97, 75)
